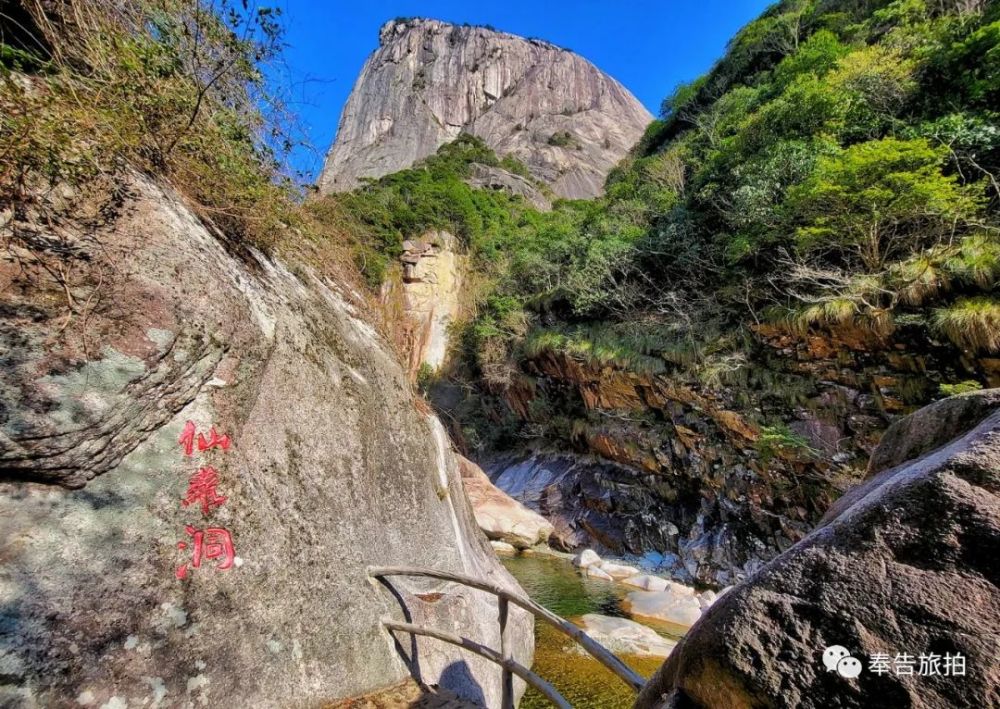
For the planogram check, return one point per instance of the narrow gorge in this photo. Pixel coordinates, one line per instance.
(719, 387)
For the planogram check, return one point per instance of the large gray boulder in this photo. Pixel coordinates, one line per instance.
(430, 81)
(501, 517)
(332, 467)
(907, 563)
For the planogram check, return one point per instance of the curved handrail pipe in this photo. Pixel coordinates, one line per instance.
(472, 646)
(595, 649)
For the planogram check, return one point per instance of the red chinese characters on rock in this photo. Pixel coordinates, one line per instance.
(212, 542)
(201, 488)
(187, 439)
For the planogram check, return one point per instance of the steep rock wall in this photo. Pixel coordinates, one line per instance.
(718, 479)
(331, 468)
(430, 81)
(430, 294)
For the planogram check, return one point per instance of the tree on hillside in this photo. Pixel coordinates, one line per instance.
(879, 200)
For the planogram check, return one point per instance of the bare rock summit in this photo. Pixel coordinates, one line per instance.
(429, 81)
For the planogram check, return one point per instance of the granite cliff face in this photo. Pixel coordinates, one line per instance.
(331, 467)
(429, 81)
(429, 297)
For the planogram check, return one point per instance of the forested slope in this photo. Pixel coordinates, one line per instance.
(802, 247)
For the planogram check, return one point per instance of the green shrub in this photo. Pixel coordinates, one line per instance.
(963, 387)
(879, 200)
(780, 441)
(642, 348)
(425, 377)
(512, 164)
(170, 87)
(562, 139)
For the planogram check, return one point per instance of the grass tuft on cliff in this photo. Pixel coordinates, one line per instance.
(971, 323)
(600, 345)
(170, 87)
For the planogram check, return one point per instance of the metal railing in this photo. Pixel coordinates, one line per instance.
(504, 658)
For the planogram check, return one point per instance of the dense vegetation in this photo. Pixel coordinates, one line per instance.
(432, 195)
(175, 88)
(838, 168)
(525, 261)
(838, 165)
(856, 146)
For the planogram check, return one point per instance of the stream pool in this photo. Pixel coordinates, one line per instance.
(584, 682)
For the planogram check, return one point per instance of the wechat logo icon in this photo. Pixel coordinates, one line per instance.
(837, 659)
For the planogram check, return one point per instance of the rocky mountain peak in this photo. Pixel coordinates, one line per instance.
(430, 81)
(400, 25)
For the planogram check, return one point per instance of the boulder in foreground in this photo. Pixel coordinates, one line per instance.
(906, 563)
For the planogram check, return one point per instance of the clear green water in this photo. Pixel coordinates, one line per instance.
(584, 682)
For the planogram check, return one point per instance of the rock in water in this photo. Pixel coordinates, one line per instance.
(429, 81)
(668, 606)
(646, 582)
(907, 563)
(621, 635)
(595, 572)
(503, 548)
(331, 468)
(586, 558)
(618, 571)
(501, 517)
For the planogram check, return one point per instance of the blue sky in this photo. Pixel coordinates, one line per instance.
(649, 47)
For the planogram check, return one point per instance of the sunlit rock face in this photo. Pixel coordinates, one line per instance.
(502, 518)
(429, 81)
(432, 275)
(329, 467)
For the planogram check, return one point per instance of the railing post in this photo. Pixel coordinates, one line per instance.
(507, 652)
(595, 649)
(492, 655)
